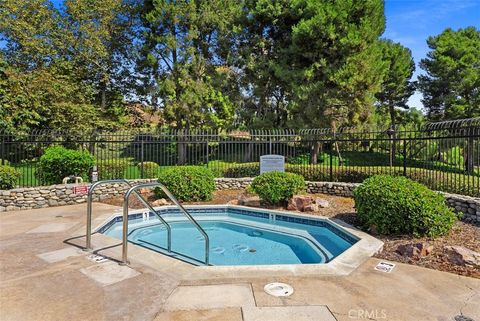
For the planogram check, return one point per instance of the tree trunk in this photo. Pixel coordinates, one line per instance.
(469, 153)
(314, 153)
(247, 157)
(393, 126)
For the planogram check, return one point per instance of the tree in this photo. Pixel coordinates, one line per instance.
(99, 37)
(81, 48)
(312, 63)
(397, 86)
(451, 85)
(186, 52)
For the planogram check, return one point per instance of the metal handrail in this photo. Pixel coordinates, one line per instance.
(175, 201)
(140, 197)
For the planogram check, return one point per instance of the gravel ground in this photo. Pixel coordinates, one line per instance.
(342, 208)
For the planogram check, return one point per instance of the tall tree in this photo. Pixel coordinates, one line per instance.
(397, 86)
(185, 54)
(314, 63)
(451, 85)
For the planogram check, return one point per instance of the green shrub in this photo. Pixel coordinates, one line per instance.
(8, 177)
(188, 183)
(398, 205)
(243, 170)
(4, 162)
(277, 187)
(112, 168)
(150, 169)
(59, 162)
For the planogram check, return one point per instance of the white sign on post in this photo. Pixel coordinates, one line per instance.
(270, 163)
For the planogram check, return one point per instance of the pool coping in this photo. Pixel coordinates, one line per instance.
(343, 264)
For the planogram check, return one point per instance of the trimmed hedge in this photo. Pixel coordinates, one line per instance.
(452, 182)
(112, 168)
(398, 205)
(277, 187)
(150, 169)
(8, 177)
(187, 183)
(59, 162)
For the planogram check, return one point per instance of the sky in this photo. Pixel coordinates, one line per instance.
(411, 22)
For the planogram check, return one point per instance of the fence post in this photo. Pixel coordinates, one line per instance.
(331, 161)
(142, 158)
(404, 157)
(270, 145)
(206, 148)
(3, 149)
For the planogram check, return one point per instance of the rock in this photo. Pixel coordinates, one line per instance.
(144, 190)
(253, 201)
(160, 202)
(460, 255)
(416, 251)
(292, 206)
(322, 203)
(311, 208)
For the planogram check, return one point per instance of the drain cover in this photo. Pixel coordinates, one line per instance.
(278, 289)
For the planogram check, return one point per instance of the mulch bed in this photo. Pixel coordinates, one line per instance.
(342, 208)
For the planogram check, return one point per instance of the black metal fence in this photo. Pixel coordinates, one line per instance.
(444, 156)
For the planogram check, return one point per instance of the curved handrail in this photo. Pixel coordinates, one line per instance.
(175, 201)
(89, 211)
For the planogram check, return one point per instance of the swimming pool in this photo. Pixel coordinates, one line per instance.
(238, 236)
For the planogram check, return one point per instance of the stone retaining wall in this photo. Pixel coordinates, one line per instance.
(56, 195)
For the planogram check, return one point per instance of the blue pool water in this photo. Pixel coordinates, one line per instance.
(237, 237)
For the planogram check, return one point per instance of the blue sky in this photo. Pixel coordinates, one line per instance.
(410, 22)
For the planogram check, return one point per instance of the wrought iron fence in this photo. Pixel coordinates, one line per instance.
(444, 156)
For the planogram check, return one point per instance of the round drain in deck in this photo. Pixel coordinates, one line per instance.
(278, 289)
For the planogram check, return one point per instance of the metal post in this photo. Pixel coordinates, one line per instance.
(404, 157)
(142, 159)
(207, 153)
(89, 217)
(125, 230)
(3, 149)
(331, 161)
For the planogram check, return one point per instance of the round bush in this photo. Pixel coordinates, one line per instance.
(112, 168)
(8, 177)
(188, 183)
(59, 162)
(150, 169)
(277, 187)
(398, 205)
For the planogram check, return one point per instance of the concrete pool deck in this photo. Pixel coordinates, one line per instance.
(44, 277)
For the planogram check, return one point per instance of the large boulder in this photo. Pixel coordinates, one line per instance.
(415, 251)
(160, 202)
(306, 203)
(460, 255)
(245, 200)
